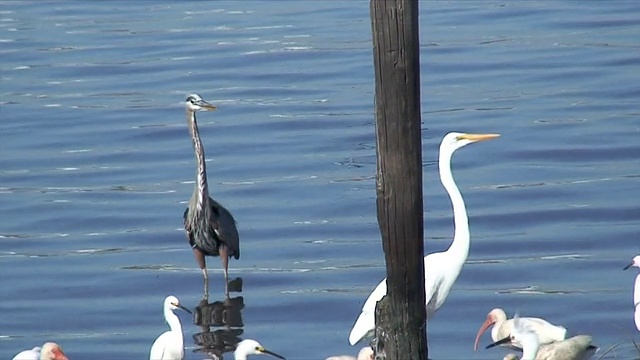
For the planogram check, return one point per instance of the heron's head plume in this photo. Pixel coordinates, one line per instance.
(195, 103)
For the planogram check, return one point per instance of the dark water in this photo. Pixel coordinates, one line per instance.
(97, 166)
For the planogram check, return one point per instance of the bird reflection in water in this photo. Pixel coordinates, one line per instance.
(220, 323)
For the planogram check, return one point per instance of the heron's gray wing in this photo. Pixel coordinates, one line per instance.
(225, 226)
(187, 228)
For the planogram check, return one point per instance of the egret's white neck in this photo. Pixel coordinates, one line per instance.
(636, 291)
(173, 321)
(529, 351)
(237, 355)
(459, 249)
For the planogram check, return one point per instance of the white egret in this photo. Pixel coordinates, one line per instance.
(546, 332)
(248, 347)
(441, 268)
(170, 345)
(636, 291)
(366, 353)
(575, 348)
(48, 351)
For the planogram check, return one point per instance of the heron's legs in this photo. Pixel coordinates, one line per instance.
(224, 257)
(203, 266)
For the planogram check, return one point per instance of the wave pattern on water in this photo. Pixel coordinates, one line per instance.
(97, 166)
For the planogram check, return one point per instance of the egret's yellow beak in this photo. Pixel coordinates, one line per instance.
(477, 137)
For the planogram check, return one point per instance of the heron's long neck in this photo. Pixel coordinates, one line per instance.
(459, 249)
(201, 189)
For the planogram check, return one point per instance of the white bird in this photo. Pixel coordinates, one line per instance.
(48, 351)
(575, 348)
(251, 347)
(636, 291)
(366, 353)
(170, 345)
(441, 268)
(546, 332)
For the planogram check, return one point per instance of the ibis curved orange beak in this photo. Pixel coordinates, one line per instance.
(483, 328)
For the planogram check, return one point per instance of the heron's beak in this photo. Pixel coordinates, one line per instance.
(205, 105)
(499, 342)
(628, 266)
(183, 308)
(265, 351)
(477, 137)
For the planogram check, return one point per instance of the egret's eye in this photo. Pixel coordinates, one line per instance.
(192, 101)
(257, 348)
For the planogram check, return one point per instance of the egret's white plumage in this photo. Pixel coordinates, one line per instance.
(575, 348)
(48, 351)
(170, 345)
(636, 292)
(441, 268)
(547, 333)
(366, 353)
(248, 347)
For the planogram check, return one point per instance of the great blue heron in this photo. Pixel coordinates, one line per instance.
(211, 229)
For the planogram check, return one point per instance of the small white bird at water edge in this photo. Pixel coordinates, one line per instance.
(248, 347)
(170, 345)
(546, 332)
(576, 348)
(366, 353)
(636, 291)
(48, 351)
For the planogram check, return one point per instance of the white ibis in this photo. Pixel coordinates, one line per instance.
(636, 291)
(170, 345)
(251, 347)
(547, 333)
(366, 353)
(48, 351)
(441, 268)
(575, 348)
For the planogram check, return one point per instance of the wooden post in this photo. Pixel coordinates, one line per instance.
(401, 315)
